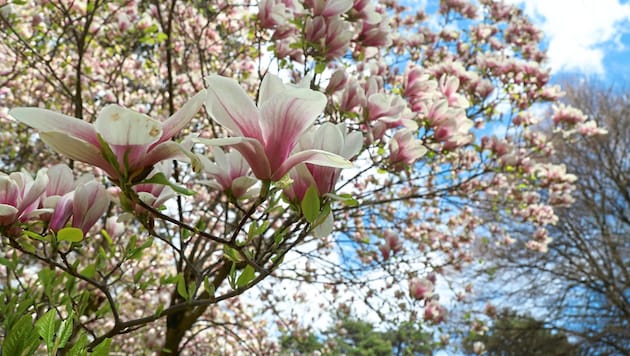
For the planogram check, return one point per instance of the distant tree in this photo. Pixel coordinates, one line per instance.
(583, 281)
(517, 335)
(357, 337)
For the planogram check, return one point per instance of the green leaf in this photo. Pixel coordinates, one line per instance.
(159, 309)
(65, 332)
(33, 235)
(107, 153)
(78, 349)
(310, 204)
(181, 286)
(161, 37)
(345, 198)
(8, 263)
(89, 271)
(137, 276)
(107, 236)
(21, 339)
(319, 67)
(248, 274)
(71, 234)
(46, 328)
(160, 178)
(103, 348)
(209, 287)
(232, 254)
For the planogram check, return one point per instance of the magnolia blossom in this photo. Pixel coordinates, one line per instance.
(20, 196)
(137, 141)
(86, 204)
(434, 312)
(229, 172)
(330, 138)
(393, 244)
(421, 288)
(267, 135)
(405, 148)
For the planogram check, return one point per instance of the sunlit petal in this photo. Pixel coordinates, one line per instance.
(182, 117)
(229, 105)
(316, 157)
(47, 120)
(121, 126)
(77, 149)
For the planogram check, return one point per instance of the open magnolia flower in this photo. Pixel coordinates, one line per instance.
(267, 135)
(229, 172)
(20, 195)
(331, 138)
(136, 141)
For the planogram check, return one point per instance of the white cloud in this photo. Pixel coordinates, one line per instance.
(579, 31)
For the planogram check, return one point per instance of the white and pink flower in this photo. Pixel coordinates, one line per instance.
(266, 135)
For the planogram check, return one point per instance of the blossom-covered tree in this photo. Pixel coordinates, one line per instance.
(217, 142)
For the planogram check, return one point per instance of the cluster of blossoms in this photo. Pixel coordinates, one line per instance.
(127, 145)
(53, 198)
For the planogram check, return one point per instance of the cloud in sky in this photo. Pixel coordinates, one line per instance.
(580, 32)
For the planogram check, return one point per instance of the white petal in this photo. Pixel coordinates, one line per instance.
(122, 126)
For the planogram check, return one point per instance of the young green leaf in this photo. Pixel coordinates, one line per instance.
(21, 338)
(103, 348)
(78, 349)
(45, 327)
(71, 234)
(160, 178)
(246, 276)
(310, 204)
(64, 333)
(181, 286)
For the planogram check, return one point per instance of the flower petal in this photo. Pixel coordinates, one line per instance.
(77, 149)
(229, 105)
(166, 150)
(270, 86)
(251, 149)
(9, 190)
(34, 191)
(182, 117)
(47, 120)
(8, 214)
(286, 117)
(353, 144)
(62, 212)
(61, 180)
(91, 200)
(121, 126)
(316, 157)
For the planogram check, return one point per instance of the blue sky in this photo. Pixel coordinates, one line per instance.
(585, 37)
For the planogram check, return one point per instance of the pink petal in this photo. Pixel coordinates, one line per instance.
(77, 149)
(62, 212)
(135, 156)
(121, 126)
(229, 105)
(9, 191)
(46, 120)
(316, 157)
(61, 180)
(251, 149)
(270, 86)
(163, 151)
(7, 214)
(34, 191)
(182, 117)
(90, 202)
(286, 117)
